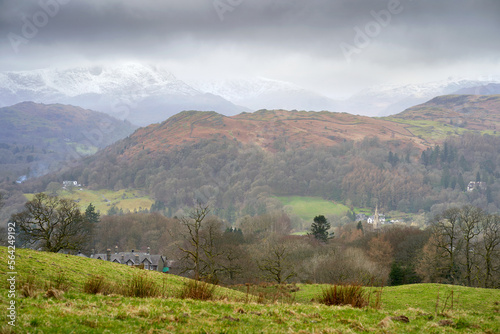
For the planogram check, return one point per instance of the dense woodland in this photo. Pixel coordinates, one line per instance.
(238, 180)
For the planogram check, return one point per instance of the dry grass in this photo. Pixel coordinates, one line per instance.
(28, 287)
(353, 295)
(54, 293)
(94, 284)
(142, 286)
(7, 329)
(197, 290)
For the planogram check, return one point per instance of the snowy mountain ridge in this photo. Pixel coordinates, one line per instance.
(146, 94)
(142, 94)
(264, 93)
(96, 80)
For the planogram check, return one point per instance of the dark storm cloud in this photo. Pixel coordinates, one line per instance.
(416, 32)
(446, 26)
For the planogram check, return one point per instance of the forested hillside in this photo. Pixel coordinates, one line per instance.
(238, 179)
(37, 138)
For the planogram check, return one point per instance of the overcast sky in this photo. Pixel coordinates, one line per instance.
(335, 46)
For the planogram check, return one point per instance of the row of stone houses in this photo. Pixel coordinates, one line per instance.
(133, 258)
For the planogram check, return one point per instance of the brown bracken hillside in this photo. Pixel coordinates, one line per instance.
(423, 126)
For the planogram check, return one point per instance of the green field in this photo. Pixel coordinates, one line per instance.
(103, 200)
(420, 308)
(433, 130)
(309, 207)
(429, 129)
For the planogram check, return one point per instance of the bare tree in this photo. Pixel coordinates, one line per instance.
(53, 224)
(491, 245)
(232, 262)
(276, 265)
(212, 251)
(193, 223)
(470, 227)
(448, 241)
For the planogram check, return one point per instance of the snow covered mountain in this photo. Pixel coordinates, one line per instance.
(487, 89)
(138, 93)
(391, 99)
(149, 94)
(263, 93)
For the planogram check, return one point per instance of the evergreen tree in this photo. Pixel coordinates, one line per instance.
(445, 178)
(320, 227)
(461, 182)
(91, 215)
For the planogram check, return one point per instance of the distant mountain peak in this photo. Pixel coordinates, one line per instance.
(143, 94)
(266, 93)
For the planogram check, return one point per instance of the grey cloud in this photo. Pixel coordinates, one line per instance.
(425, 32)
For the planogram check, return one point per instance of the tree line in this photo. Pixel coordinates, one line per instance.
(460, 246)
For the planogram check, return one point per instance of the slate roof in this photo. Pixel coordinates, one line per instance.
(134, 258)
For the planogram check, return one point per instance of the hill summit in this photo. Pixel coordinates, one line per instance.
(271, 130)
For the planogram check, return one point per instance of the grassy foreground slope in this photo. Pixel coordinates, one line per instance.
(475, 310)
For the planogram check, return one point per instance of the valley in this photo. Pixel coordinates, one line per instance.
(259, 166)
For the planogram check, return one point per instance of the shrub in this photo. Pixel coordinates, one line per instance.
(95, 284)
(142, 286)
(197, 290)
(353, 295)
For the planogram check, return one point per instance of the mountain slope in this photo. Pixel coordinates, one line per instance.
(423, 126)
(138, 93)
(38, 138)
(271, 130)
(472, 112)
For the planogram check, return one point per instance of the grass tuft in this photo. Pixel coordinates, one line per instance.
(197, 290)
(7, 329)
(142, 286)
(353, 295)
(28, 287)
(95, 284)
(54, 293)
